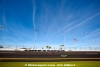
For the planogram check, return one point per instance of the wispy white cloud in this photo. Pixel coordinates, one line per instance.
(5, 26)
(83, 22)
(16, 33)
(19, 33)
(4, 20)
(62, 29)
(93, 33)
(34, 10)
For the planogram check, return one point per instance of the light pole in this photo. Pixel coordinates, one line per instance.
(87, 40)
(1, 27)
(16, 46)
(54, 48)
(9, 46)
(35, 37)
(42, 48)
(64, 36)
(30, 47)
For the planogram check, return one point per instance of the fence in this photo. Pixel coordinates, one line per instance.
(56, 48)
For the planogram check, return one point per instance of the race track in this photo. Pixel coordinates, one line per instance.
(32, 55)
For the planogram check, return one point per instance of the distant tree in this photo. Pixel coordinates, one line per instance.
(48, 47)
(1, 46)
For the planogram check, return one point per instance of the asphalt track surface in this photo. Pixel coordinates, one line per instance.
(39, 56)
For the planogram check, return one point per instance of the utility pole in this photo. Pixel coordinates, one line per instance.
(35, 37)
(87, 40)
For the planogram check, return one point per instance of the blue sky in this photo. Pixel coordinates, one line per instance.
(50, 17)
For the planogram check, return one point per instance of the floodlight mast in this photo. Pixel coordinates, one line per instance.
(87, 40)
(1, 27)
(35, 37)
(64, 36)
